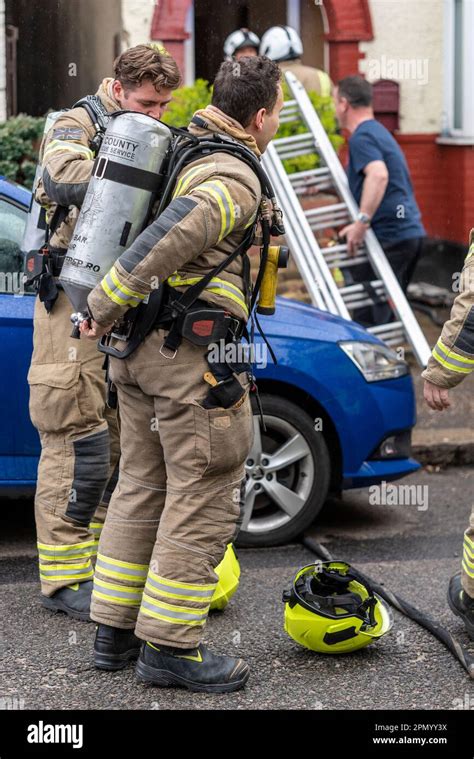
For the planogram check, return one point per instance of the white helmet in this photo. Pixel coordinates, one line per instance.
(281, 43)
(239, 39)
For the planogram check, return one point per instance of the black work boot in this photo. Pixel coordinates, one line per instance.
(197, 669)
(461, 604)
(114, 647)
(73, 600)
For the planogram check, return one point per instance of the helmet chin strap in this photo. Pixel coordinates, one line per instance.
(292, 54)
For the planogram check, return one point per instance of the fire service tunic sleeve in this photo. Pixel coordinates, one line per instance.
(453, 355)
(190, 225)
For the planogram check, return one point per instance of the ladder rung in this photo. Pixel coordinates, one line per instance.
(344, 262)
(295, 146)
(377, 284)
(290, 112)
(356, 296)
(319, 179)
(337, 255)
(289, 117)
(333, 215)
(389, 333)
(381, 329)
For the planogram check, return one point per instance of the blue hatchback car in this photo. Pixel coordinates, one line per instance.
(338, 407)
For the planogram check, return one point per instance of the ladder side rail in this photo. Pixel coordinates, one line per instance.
(306, 266)
(294, 211)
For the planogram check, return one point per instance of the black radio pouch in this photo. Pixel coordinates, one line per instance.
(224, 395)
(204, 325)
(227, 391)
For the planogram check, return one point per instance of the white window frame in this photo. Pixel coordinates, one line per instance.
(293, 15)
(189, 51)
(466, 131)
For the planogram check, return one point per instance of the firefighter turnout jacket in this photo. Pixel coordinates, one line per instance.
(67, 384)
(215, 201)
(453, 355)
(67, 159)
(312, 79)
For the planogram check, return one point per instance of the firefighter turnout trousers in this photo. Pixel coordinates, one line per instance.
(80, 448)
(468, 558)
(177, 501)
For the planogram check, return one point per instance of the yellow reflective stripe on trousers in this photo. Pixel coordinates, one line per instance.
(467, 565)
(118, 293)
(127, 595)
(73, 550)
(469, 544)
(451, 360)
(468, 556)
(216, 285)
(186, 179)
(122, 570)
(182, 615)
(181, 591)
(56, 146)
(468, 559)
(217, 190)
(59, 571)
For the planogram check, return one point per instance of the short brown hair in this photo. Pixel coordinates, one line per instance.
(242, 87)
(356, 90)
(144, 62)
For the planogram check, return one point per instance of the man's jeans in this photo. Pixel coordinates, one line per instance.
(403, 257)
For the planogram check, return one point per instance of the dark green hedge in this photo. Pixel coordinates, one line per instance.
(20, 138)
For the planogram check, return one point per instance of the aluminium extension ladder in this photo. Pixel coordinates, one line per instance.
(315, 262)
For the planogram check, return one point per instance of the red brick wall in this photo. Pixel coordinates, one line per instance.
(442, 180)
(349, 22)
(168, 23)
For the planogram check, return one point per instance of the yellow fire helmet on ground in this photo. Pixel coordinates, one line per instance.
(228, 572)
(332, 609)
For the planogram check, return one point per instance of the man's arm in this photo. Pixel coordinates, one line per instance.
(190, 225)
(373, 190)
(67, 161)
(452, 358)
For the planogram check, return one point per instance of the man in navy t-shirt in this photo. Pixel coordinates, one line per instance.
(380, 183)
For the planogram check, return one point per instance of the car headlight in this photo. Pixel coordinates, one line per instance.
(376, 362)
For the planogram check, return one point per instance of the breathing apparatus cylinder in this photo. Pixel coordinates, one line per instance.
(34, 236)
(124, 185)
(277, 258)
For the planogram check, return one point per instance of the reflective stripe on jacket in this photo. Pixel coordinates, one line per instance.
(453, 355)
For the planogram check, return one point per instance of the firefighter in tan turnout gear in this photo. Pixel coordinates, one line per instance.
(79, 435)
(283, 45)
(176, 504)
(451, 361)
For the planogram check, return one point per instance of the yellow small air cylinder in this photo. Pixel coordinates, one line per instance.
(277, 258)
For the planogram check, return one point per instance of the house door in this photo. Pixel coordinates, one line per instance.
(212, 25)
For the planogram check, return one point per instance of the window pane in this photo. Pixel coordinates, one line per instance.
(12, 224)
(12, 221)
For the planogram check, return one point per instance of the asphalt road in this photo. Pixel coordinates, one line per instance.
(46, 660)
